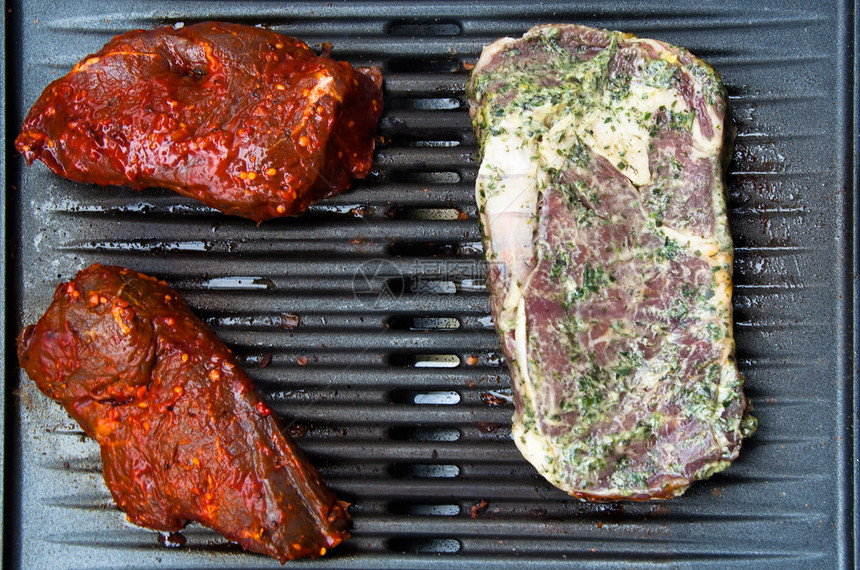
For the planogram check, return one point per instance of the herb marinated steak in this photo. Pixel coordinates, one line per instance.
(602, 205)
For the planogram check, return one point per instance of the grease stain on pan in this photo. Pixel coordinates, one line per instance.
(238, 283)
(154, 246)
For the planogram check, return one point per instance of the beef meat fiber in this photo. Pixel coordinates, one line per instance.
(603, 210)
(184, 435)
(246, 120)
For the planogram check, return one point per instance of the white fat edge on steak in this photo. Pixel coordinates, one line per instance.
(506, 190)
(623, 141)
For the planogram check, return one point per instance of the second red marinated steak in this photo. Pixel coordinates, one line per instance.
(184, 435)
(244, 119)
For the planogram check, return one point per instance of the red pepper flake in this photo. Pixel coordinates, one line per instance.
(478, 508)
(117, 311)
(263, 409)
(215, 375)
(302, 360)
(72, 292)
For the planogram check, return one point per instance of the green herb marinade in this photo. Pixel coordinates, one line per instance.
(527, 99)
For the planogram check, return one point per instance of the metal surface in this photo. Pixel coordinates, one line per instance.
(391, 377)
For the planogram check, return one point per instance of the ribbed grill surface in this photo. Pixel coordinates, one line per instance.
(366, 321)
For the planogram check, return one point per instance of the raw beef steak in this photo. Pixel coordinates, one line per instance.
(603, 210)
(244, 119)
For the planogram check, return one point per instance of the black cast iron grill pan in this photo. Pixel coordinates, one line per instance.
(366, 323)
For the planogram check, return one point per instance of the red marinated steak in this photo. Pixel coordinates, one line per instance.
(184, 435)
(610, 260)
(244, 119)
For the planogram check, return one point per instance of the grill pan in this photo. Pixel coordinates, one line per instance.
(366, 324)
